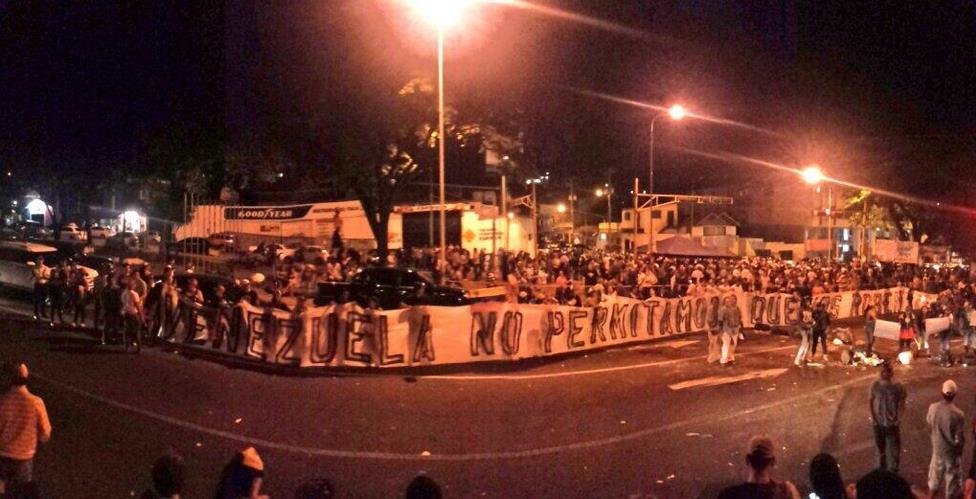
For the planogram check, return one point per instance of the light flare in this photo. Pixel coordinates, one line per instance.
(728, 157)
(593, 22)
(683, 113)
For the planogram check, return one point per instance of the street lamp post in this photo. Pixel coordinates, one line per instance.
(440, 138)
(442, 14)
(607, 191)
(572, 216)
(814, 176)
(676, 113)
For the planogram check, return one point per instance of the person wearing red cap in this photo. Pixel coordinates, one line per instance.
(23, 423)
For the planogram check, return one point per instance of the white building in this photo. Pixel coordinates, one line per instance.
(470, 225)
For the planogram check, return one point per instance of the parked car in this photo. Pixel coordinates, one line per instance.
(35, 230)
(150, 237)
(122, 241)
(71, 232)
(222, 241)
(281, 252)
(190, 245)
(17, 273)
(312, 254)
(388, 288)
(99, 232)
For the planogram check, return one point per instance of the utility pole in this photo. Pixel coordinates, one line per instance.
(830, 222)
(535, 222)
(572, 213)
(504, 213)
(636, 218)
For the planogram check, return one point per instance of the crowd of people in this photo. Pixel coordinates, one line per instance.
(540, 277)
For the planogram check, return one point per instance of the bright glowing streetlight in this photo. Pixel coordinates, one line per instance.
(561, 208)
(442, 14)
(599, 193)
(676, 112)
(812, 175)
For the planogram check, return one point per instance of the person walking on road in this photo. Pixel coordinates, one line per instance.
(887, 404)
(41, 275)
(23, 423)
(947, 426)
(821, 321)
(805, 328)
(730, 325)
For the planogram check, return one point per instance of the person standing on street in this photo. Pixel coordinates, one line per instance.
(40, 274)
(821, 321)
(131, 316)
(870, 322)
(887, 404)
(947, 425)
(968, 332)
(805, 328)
(730, 324)
(23, 423)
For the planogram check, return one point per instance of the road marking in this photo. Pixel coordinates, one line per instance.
(14, 311)
(671, 344)
(511, 377)
(807, 397)
(724, 380)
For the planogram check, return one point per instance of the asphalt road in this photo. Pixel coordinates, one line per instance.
(648, 421)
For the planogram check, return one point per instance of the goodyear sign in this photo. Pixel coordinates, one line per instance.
(266, 212)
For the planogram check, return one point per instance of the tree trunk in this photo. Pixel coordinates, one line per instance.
(378, 215)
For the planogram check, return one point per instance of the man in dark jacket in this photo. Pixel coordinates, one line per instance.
(821, 321)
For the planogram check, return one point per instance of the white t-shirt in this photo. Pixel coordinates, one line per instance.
(131, 302)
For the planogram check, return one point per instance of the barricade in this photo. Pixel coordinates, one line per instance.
(348, 335)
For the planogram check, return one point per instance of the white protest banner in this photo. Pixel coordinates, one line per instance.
(886, 250)
(936, 325)
(887, 329)
(348, 335)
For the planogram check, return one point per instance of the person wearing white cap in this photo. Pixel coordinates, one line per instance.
(947, 426)
(23, 423)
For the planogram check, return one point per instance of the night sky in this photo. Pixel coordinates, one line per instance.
(879, 93)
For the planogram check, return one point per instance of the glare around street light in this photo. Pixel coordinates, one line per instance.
(812, 175)
(599, 193)
(676, 112)
(561, 208)
(511, 215)
(440, 13)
